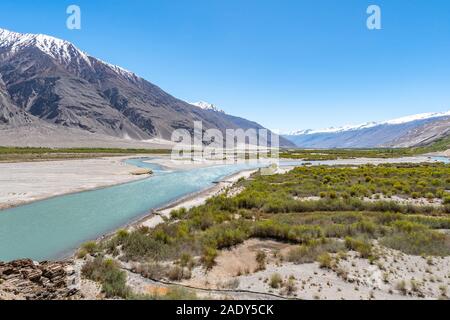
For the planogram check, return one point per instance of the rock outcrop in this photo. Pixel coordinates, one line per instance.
(30, 280)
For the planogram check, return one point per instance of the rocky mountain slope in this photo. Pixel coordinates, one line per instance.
(408, 131)
(425, 134)
(48, 80)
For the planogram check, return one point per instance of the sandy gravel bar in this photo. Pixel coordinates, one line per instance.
(25, 182)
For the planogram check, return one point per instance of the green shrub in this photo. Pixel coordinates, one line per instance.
(325, 260)
(362, 246)
(152, 270)
(122, 234)
(429, 196)
(332, 195)
(261, 259)
(186, 260)
(108, 273)
(284, 232)
(177, 273)
(275, 281)
(90, 247)
(81, 253)
(137, 246)
(174, 293)
(309, 253)
(401, 286)
(209, 257)
(178, 214)
(289, 286)
(446, 199)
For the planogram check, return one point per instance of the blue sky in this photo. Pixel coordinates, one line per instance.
(288, 64)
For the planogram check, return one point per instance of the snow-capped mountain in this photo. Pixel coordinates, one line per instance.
(366, 125)
(45, 80)
(60, 50)
(207, 106)
(401, 132)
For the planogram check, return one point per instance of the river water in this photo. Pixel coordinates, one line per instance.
(54, 227)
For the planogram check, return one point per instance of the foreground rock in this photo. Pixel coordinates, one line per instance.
(29, 280)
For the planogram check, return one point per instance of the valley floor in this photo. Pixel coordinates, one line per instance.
(273, 238)
(354, 247)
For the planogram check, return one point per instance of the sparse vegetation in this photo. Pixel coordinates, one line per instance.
(268, 209)
(90, 248)
(289, 286)
(33, 154)
(334, 154)
(325, 260)
(310, 252)
(261, 260)
(177, 273)
(326, 230)
(401, 286)
(152, 270)
(108, 273)
(416, 239)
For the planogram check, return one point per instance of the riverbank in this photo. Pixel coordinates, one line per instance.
(26, 182)
(192, 200)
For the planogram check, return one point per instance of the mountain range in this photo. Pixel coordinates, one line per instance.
(52, 93)
(409, 131)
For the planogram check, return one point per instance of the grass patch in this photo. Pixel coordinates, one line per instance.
(30, 154)
(310, 252)
(419, 242)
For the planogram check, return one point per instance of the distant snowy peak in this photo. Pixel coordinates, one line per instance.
(207, 106)
(420, 116)
(416, 117)
(62, 51)
(334, 130)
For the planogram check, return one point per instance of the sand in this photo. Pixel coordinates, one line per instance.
(25, 182)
